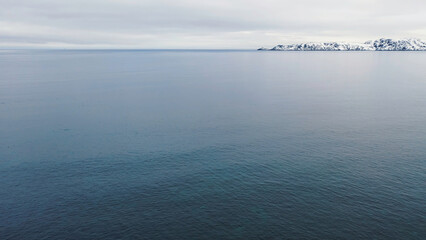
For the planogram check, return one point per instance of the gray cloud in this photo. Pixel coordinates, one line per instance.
(203, 23)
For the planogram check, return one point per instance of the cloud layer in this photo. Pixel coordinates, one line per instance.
(203, 23)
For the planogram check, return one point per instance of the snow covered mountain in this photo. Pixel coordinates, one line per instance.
(398, 45)
(376, 45)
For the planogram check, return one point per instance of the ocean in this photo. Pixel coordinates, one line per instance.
(209, 144)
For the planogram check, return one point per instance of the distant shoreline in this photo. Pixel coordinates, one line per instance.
(376, 45)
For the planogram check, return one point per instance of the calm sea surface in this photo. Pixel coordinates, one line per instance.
(212, 145)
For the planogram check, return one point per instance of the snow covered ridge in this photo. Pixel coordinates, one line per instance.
(376, 45)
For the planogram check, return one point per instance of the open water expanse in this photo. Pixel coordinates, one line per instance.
(212, 145)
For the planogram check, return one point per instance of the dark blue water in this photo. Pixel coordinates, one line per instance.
(212, 145)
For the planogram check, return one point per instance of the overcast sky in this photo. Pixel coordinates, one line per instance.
(208, 24)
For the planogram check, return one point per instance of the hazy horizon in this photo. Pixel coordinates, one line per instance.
(189, 24)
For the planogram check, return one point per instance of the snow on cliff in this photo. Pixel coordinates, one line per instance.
(376, 45)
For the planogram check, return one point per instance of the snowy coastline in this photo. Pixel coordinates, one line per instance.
(376, 45)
